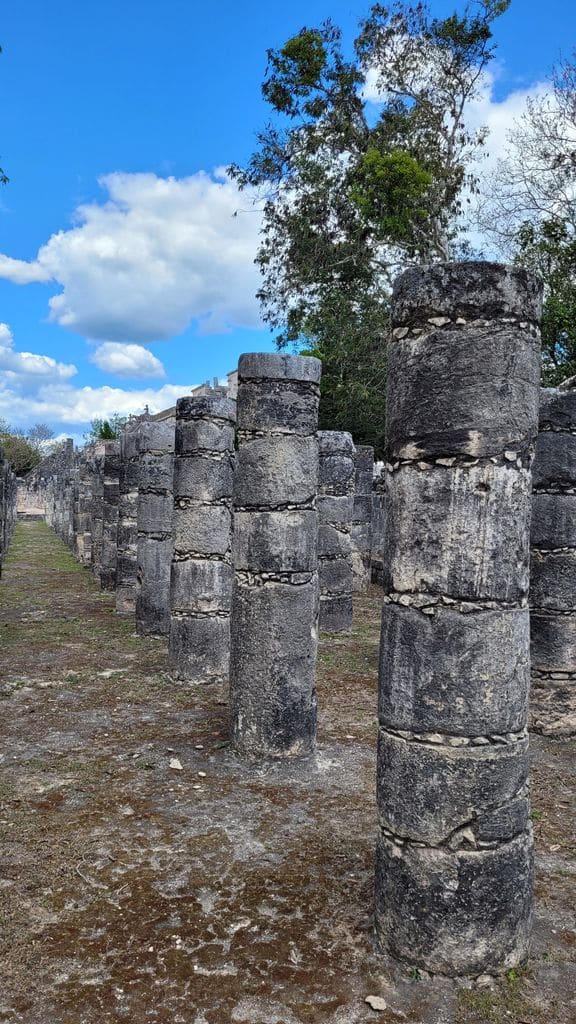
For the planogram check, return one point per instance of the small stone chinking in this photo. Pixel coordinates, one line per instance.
(454, 859)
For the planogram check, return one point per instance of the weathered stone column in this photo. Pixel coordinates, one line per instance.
(110, 498)
(454, 861)
(553, 566)
(378, 525)
(155, 506)
(201, 580)
(335, 506)
(127, 531)
(275, 594)
(361, 533)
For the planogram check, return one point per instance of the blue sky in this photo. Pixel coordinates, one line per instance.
(115, 120)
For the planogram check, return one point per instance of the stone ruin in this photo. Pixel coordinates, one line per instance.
(8, 490)
(235, 530)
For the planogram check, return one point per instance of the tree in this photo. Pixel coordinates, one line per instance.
(106, 429)
(351, 192)
(531, 212)
(23, 449)
(536, 180)
(548, 247)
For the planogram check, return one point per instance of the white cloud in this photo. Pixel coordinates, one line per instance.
(127, 360)
(483, 111)
(66, 404)
(158, 254)
(27, 366)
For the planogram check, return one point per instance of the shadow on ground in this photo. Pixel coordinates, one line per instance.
(134, 891)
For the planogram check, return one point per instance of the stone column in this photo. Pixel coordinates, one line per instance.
(127, 530)
(454, 860)
(361, 533)
(154, 521)
(201, 580)
(335, 505)
(378, 525)
(275, 593)
(110, 500)
(97, 508)
(553, 566)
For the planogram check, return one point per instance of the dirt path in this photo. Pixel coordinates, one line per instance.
(132, 891)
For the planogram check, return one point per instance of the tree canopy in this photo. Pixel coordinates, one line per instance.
(106, 429)
(531, 211)
(23, 449)
(352, 190)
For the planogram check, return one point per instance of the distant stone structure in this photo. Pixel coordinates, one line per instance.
(201, 579)
(454, 861)
(275, 596)
(154, 523)
(553, 566)
(361, 532)
(335, 508)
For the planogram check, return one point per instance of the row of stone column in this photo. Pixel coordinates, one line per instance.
(8, 488)
(454, 859)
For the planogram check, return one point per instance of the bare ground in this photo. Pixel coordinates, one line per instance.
(133, 891)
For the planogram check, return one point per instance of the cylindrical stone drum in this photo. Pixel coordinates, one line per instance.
(110, 499)
(201, 580)
(154, 521)
(454, 859)
(127, 530)
(361, 532)
(553, 566)
(335, 507)
(275, 595)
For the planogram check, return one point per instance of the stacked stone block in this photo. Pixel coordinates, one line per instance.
(97, 508)
(378, 525)
(361, 532)
(110, 499)
(275, 592)
(335, 507)
(553, 566)
(201, 577)
(154, 522)
(8, 489)
(454, 860)
(127, 528)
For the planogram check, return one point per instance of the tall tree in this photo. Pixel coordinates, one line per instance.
(530, 211)
(353, 190)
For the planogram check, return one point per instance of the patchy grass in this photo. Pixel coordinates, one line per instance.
(131, 891)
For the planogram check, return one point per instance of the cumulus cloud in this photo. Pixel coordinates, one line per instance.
(127, 360)
(23, 366)
(77, 406)
(156, 255)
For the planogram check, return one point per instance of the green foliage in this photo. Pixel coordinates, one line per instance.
(353, 190)
(22, 449)
(549, 248)
(106, 429)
